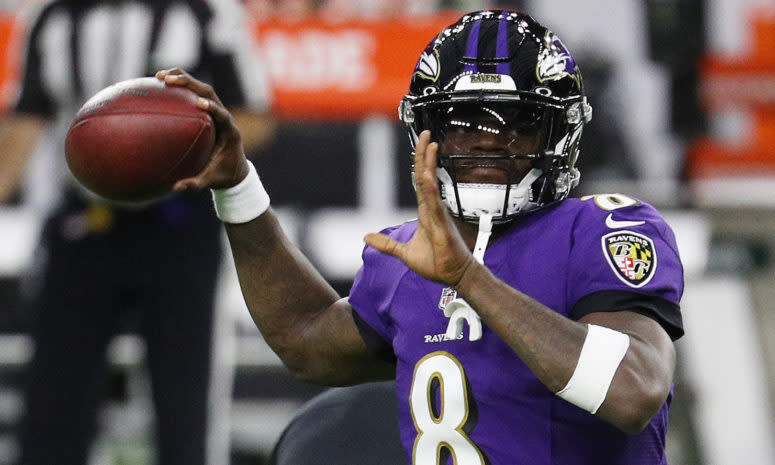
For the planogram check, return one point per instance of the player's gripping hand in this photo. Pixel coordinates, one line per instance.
(228, 164)
(436, 251)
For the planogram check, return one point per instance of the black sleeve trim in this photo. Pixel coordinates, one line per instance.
(664, 312)
(381, 348)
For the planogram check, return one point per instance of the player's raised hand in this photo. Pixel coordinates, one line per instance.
(436, 251)
(228, 164)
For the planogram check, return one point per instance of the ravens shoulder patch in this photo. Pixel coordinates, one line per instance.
(632, 257)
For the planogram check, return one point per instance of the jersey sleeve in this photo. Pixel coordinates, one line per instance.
(372, 294)
(625, 259)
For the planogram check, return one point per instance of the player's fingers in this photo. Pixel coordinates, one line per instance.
(179, 77)
(428, 195)
(187, 184)
(419, 163)
(175, 70)
(429, 175)
(419, 151)
(425, 168)
(162, 73)
(171, 75)
(431, 155)
(227, 132)
(385, 244)
(175, 77)
(218, 174)
(220, 115)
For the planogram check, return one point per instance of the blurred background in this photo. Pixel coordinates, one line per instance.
(684, 99)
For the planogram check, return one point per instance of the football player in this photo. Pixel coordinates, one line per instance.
(521, 326)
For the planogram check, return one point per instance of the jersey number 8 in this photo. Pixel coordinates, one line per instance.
(441, 431)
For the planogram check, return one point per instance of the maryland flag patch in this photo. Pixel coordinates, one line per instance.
(631, 255)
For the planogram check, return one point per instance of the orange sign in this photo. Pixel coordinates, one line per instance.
(319, 69)
(10, 34)
(744, 82)
(344, 70)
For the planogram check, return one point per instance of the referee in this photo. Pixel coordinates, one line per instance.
(105, 268)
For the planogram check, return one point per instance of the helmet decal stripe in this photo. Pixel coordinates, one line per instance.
(472, 46)
(502, 47)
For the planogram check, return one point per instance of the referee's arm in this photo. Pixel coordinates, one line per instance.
(257, 129)
(21, 127)
(18, 137)
(240, 76)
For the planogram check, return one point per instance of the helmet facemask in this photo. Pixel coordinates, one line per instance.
(495, 153)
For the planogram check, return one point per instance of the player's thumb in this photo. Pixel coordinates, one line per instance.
(384, 244)
(186, 184)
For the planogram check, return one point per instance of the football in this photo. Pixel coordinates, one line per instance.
(133, 140)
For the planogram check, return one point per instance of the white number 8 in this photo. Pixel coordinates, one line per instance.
(437, 431)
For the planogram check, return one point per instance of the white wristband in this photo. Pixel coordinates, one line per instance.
(243, 202)
(601, 354)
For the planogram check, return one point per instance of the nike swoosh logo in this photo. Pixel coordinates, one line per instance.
(613, 224)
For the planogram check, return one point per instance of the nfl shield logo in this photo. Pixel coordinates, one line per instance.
(447, 295)
(632, 257)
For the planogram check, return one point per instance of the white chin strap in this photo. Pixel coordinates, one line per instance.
(458, 311)
(479, 199)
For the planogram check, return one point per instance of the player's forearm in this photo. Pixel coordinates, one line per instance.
(643, 379)
(550, 345)
(282, 289)
(546, 341)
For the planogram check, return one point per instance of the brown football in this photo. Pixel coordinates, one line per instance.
(133, 140)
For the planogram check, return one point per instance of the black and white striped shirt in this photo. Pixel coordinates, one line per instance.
(77, 47)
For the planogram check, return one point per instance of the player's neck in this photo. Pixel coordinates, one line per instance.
(467, 231)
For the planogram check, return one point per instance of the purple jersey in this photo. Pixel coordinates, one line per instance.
(477, 402)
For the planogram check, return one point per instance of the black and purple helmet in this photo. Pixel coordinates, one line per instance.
(499, 74)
